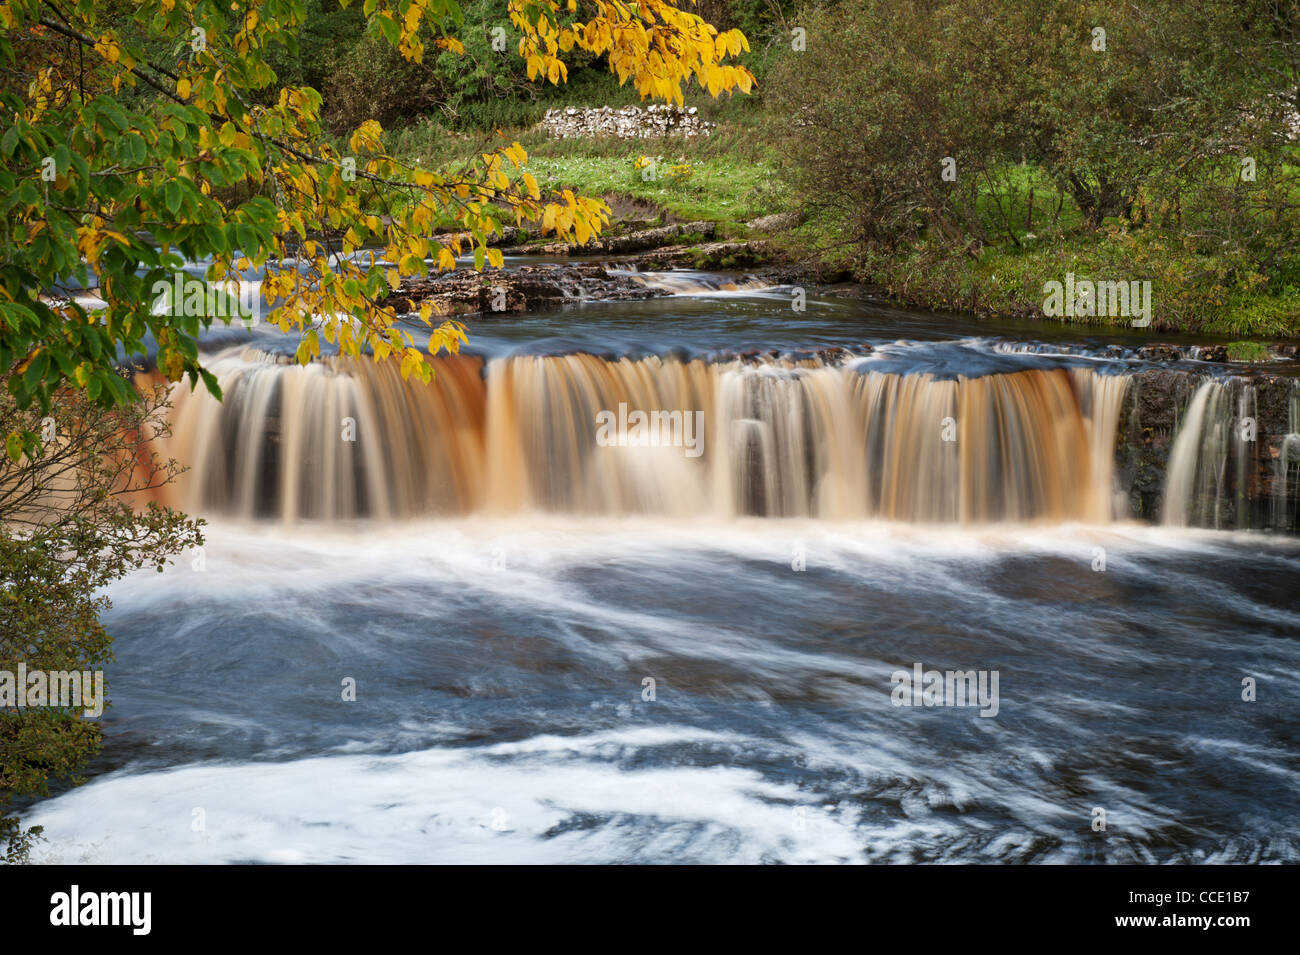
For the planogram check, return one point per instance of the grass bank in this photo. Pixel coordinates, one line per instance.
(729, 177)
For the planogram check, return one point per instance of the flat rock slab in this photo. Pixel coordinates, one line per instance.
(529, 288)
(636, 241)
(707, 256)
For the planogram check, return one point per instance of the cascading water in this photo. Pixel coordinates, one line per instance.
(329, 441)
(1223, 461)
(1286, 482)
(694, 283)
(609, 661)
(778, 438)
(1198, 459)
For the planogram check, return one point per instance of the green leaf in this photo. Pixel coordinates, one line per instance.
(211, 383)
(248, 241)
(9, 143)
(83, 178)
(215, 237)
(389, 27)
(35, 372)
(172, 193)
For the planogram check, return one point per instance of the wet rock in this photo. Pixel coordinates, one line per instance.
(1211, 352)
(1145, 435)
(507, 291)
(628, 242)
(1161, 353)
(657, 238)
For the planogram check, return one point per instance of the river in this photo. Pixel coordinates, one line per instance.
(563, 650)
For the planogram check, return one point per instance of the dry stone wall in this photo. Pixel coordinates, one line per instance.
(630, 122)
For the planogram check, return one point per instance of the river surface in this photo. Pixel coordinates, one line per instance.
(621, 680)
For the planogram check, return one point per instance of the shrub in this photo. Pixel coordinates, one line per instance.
(71, 523)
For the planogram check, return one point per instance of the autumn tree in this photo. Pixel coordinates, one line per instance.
(119, 164)
(220, 163)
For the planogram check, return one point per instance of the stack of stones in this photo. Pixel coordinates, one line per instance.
(630, 122)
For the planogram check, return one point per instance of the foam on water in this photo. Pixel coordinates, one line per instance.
(499, 666)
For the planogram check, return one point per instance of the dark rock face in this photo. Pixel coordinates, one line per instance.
(1251, 487)
(1147, 424)
(1274, 501)
(529, 288)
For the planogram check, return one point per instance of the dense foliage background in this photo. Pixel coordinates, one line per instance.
(1120, 153)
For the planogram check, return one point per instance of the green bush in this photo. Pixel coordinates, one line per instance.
(68, 527)
(1136, 141)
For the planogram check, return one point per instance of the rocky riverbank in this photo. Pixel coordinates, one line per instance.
(528, 288)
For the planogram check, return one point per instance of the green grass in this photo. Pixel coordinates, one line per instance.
(733, 174)
(1217, 294)
(1198, 286)
(1190, 291)
(719, 188)
(1247, 351)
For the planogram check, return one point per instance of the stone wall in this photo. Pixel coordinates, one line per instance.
(630, 122)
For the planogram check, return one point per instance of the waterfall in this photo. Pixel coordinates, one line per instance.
(696, 283)
(338, 439)
(332, 439)
(1214, 478)
(1286, 479)
(1198, 458)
